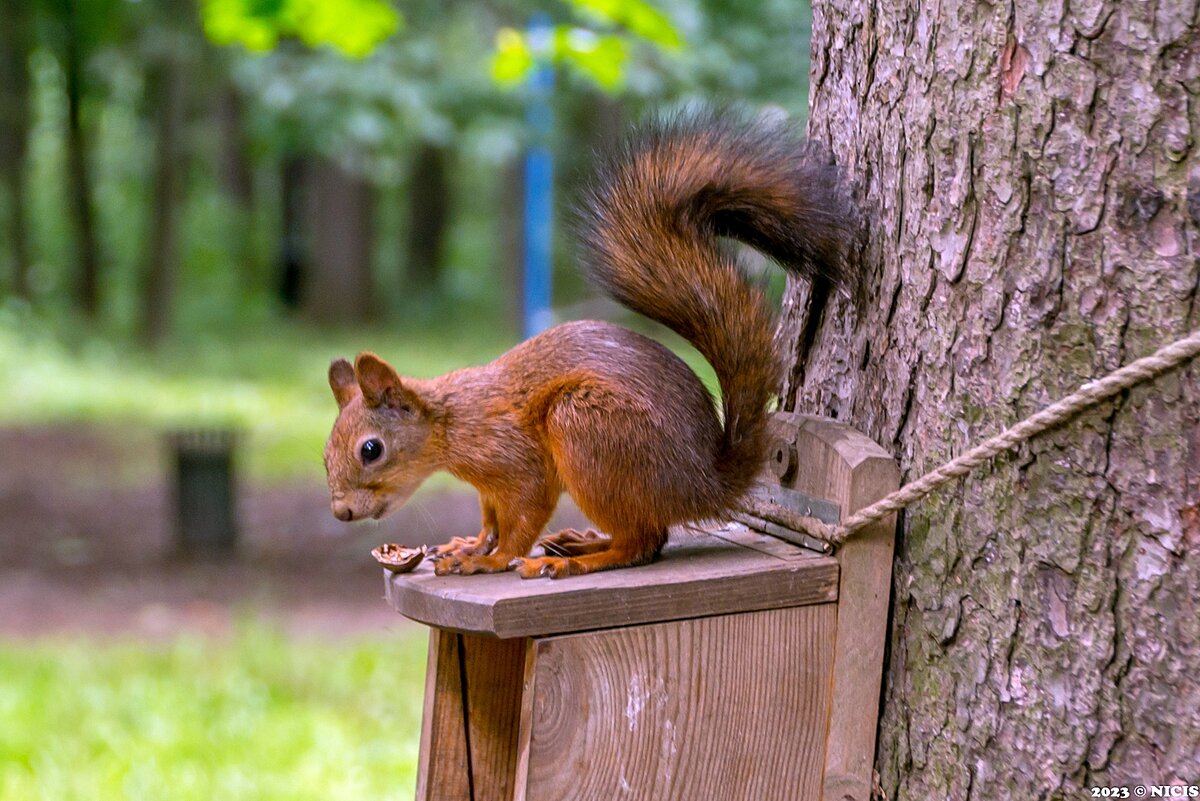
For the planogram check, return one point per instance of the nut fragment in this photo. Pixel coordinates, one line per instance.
(397, 558)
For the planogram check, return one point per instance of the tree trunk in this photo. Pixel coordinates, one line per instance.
(79, 169)
(236, 173)
(429, 211)
(166, 89)
(510, 222)
(14, 132)
(293, 265)
(1033, 194)
(341, 208)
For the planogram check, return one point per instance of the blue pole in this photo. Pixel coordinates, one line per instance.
(539, 185)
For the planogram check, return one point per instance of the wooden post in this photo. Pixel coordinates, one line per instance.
(836, 462)
(473, 692)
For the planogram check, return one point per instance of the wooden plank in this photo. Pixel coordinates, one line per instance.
(524, 733)
(836, 462)
(699, 575)
(741, 534)
(442, 765)
(731, 707)
(495, 672)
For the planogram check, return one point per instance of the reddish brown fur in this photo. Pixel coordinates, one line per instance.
(603, 413)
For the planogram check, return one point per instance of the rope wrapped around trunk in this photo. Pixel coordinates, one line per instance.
(1070, 407)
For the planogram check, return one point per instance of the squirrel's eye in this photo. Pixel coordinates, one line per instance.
(371, 450)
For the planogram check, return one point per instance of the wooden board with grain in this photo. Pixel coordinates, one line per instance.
(475, 763)
(441, 771)
(495, 672)
(838, 463)
(700, 573)
(732, 707)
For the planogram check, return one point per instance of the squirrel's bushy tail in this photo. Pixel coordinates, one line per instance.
(650, 225)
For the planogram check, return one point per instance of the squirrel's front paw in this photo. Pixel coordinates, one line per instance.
(464, 546)
(552, 566)
(465, 564)
(468, 565)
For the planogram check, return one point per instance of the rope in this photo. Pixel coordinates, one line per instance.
(1068, 408)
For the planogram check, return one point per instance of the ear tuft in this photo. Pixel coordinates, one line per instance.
(342, 382)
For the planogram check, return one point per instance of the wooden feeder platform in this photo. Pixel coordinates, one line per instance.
(738, 666)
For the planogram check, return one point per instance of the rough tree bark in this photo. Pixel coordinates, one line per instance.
(1032, 185)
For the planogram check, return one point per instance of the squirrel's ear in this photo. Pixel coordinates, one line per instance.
(381, 386)
(342, 382)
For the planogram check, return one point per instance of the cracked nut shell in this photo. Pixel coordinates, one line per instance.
(397, 558)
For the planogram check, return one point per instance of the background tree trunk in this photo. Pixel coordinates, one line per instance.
(235, 169)
(166, 92)
(1033, 193)
(15, 45)
(341, 206)
(79, 166)
(429, 214)
(293, 264)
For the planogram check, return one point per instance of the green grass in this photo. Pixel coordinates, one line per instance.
(259, 717)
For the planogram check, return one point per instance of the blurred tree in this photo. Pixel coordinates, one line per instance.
(402, 112)
(341, 204)
(235, 171)
(15, 46)
(598, 51)
(170, 51)
(353, 27)
(75, 30)
(429, 208)
(293, 246)
(151, 184)
(305, 101)
(750, 55)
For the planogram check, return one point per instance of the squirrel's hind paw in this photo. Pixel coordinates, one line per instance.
(552, 566)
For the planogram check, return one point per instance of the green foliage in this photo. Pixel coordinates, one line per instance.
(599, 56)
(432, 82)
(258, 717)
(636, 16)
(352, 27)
(429, 84)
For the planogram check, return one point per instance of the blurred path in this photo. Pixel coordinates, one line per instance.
(85, 546)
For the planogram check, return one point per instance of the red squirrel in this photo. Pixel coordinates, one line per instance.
(590, 408)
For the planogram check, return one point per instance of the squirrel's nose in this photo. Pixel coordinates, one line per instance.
(342, 511)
